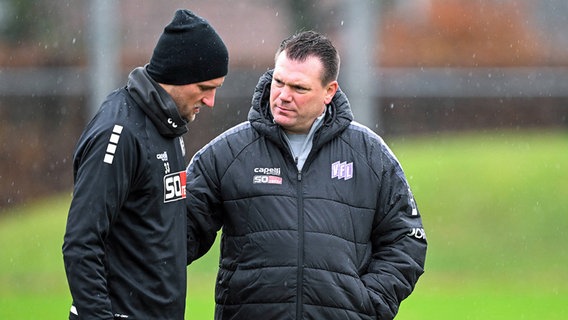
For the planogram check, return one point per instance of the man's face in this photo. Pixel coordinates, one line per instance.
(191, 97)
(297, 96)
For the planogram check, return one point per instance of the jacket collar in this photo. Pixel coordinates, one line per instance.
(156, 103)
(338, 115)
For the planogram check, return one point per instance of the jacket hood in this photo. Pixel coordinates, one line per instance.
(338, 115)
(156, 103)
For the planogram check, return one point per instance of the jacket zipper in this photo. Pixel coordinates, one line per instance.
(300, 281)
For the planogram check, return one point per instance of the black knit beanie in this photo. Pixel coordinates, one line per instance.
(188, 51)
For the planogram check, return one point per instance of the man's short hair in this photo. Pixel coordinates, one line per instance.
(305, 44)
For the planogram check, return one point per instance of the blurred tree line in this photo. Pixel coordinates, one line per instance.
(21, 22)
(40, 33)
(38, 130)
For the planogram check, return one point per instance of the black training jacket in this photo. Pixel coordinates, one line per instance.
(125, 244)
(342, 239)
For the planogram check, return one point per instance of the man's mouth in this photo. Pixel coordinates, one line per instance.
(283, 109)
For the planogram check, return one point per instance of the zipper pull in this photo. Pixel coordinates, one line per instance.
(299, 171)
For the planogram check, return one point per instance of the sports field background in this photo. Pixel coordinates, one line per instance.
(494, 205)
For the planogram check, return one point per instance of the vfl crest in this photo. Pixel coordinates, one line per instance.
(342, 170)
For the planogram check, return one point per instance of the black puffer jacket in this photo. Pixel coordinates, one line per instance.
(342, 239)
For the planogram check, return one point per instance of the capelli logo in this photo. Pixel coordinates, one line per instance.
(172, 123)
(417, 233)
(271, 171)
(162, 156)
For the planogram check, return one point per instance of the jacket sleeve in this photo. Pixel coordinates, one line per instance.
(103, 165)
(204, 206)
(398, 243)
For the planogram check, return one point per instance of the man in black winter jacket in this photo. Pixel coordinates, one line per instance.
(318, 218)
(125, 243)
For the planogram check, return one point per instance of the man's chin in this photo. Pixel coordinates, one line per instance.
(189, 118)
(281, 120)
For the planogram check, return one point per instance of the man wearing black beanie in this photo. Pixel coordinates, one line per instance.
(125, 245)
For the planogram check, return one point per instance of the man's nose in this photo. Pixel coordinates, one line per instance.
(209, 98)
(285, 94)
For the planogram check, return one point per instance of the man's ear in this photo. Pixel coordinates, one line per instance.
(330, 91)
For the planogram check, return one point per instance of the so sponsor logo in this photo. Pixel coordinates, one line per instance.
(267, 176)
(174, 186)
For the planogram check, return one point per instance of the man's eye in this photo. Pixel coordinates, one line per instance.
(278, 83)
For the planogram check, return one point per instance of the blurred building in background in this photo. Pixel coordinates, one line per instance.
(433, 66)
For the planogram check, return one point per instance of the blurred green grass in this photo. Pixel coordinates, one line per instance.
(494, 206)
